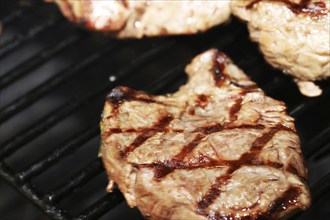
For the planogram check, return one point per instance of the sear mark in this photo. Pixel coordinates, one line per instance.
(304, 6)
(249, 158)
(202, 101)
(219, 64)
(145, 134)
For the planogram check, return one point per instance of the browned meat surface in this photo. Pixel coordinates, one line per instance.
(131, 18)
(216, 149)
(294, 36)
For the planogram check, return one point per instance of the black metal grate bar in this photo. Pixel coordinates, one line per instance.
(30, 97)
(144, 58)
(165, 78)
(48, 121)
(19, 12)
(37, 60)
(316, 143)
(322, 152)
(309, 102)
(65, 110)
(33, 95)
(19, 39)
(77, 180)
(105, 204)
(87, 173)
(74, 143)
(319, 189)
(102, 206)
(28, 191)
(60, 152)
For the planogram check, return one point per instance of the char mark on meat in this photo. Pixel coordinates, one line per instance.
(217, 148)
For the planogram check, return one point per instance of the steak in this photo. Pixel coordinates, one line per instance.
(131, 18)
(218, 148)
(294, 36)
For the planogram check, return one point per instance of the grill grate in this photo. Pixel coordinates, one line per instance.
(20, 39)
(38, 142)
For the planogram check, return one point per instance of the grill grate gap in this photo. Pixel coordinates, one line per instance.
(28, 191)
(322, 152)
(309, 102)
(50, 84)
(11, 145)
(102, 206)
(18, 13)
(18, 40)
(316, 143)
(60, 152)
(320, 188)
(80, 178)
(42, 125)
(37, 60)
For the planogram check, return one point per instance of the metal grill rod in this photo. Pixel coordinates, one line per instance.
(19, 12)
(308, 103)
(313, 146)
(33, 95)
(73, 143)
(61, 151)
(319, 189)
(107, 205)
(81, 178)
(19, 39)
(80, 138)
(165, 78)
(49, 85)
(19, 104)
(104, 211)
(13, 144)
(144, 58)
(322, 152)
(50, 120)
(33, 62)
(77, 180)
(102, 206)
(28, 191)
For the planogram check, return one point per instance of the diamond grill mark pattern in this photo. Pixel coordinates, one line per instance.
(163, 168)
(249, 158)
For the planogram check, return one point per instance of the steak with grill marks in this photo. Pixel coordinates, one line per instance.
(218, 148)
(294, 36)
(131, 18)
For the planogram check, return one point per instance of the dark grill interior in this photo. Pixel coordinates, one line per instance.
(53, 81)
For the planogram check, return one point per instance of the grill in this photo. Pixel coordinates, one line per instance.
(53, 81)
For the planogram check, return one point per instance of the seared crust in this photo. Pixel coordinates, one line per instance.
(216, 149)
(131, 18)
(294, 36)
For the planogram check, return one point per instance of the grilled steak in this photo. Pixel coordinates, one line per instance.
(219, 148)
(131, 18)
(294, 36)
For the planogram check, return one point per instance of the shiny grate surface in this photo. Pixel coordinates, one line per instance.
(53, 81)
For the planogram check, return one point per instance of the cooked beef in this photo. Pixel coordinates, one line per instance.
(132, 18)
(294, 36)
(219, 148)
